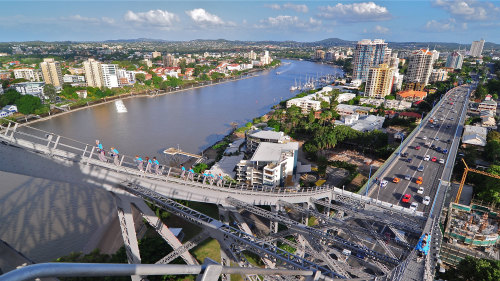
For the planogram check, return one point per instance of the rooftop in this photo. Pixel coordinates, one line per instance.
(271, 152)
(268, 135)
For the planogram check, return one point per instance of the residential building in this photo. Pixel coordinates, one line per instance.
(30, 88)
(30, 74)
(4, 75)
(397, 80)
(397, 104)
(368, 54)
(489, 105)
(265, 59)
(74, 79)
(476, 49)
(379, 81)
(156, 54)
(51, 72)
(148, 62)
(345, 97)
(474, 135)
(93, 73)
(454, 60)
(371, 101)
(309, 102)
(110, 75)
(420, 67)
(125, 77)
(254, 138)
(488, 119)
(345, 109)
(366, 123)
(319, 55)
(169, 60)
(411, 95)
(8, 110)
(438, 75)
(272, 164)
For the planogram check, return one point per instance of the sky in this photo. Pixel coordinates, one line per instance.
(460, 21)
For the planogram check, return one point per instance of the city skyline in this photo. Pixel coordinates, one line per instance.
(460, 21)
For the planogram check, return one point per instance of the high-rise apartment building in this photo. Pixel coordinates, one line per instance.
(266, 58)
(476, 49)
(379, 81)
(30, 74)
(368, 54)
(454, 60)
(110, 75)
(51, 72)
(170, 61)
(319, 55)
(93, 73)
(419, 67)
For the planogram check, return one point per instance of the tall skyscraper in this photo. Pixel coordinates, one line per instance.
(368, 54)
(51, 72)
(419, 67)
(476, 49)
(93, 73)
(454, 60)
(379, 81)
(110, 75)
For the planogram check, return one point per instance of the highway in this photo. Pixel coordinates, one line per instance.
(447, 116)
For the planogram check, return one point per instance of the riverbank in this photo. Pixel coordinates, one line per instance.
(30, 119)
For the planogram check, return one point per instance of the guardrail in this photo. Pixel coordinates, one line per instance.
(47, 142)
(392, 158)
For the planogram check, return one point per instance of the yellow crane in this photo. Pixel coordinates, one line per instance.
(467, 170)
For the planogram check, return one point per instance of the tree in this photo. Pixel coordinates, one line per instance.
(10, 96)
(472, 269)
(50, 91)
(27, 104)
(140, 77)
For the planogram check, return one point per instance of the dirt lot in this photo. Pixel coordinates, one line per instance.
(353, 157)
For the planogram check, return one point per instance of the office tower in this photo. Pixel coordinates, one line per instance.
(368, 54)
(379, 81)
(454, 60)
(419, 67)
(110, 75)
(93, 73)
(51, 72)
(476, 49)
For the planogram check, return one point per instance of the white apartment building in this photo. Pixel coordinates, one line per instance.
(489, 105)
(272, 164)
(93, 73)
(476, 49)
(345, 97)
(30, 74)
(397, 104)
(397, 81)
(254, 138)
(438, 75)
(308, 103)
(420, 66)
(359, 123)
(30, 88)
(73, 79)
(346, 109)
(265, 59)
(110, 75)
(125, 77)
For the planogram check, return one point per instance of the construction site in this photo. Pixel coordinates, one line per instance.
(470, 231)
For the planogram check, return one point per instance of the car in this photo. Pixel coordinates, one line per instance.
(407, 177)
(410, 160)
(438, 149)
(432, 126)
(436, 139)
(448, 141)
(424, 138)
(461, 154)
(383, 183)
(414, 206)
(419, 180)
(426, 200)
(396, 180)
(451, 103)
(417, 147)
(448, 126)
(434, 159)
(406, 198)
(433, 146)
(441, 161)
(452, 118)
(405, 154)
(420, 168)
(445, 151)
(427, 157)
(421, 190)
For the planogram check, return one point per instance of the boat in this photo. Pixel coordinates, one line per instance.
(294, 87)
(120, 107)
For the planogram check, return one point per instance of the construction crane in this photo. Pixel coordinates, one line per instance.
(466, 170)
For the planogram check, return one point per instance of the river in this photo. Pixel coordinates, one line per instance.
(192, 119)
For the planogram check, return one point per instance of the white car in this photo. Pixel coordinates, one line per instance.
(420, 190)
(441, 161)
(427, 157)
(414, 206)
(383, 183)
(426, 200)
(424, 138)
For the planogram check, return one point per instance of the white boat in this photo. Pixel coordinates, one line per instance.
(120, 107)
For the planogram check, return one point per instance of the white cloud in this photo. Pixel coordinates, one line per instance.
(286, 22)
(380, 29)
(470, 10)
(273, 6)
(441, 26)
(89, 19)
(356, 12)
(201, 16)
(299, 8)
(159, 18)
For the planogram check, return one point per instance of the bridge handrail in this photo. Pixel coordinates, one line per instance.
(88, 155)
